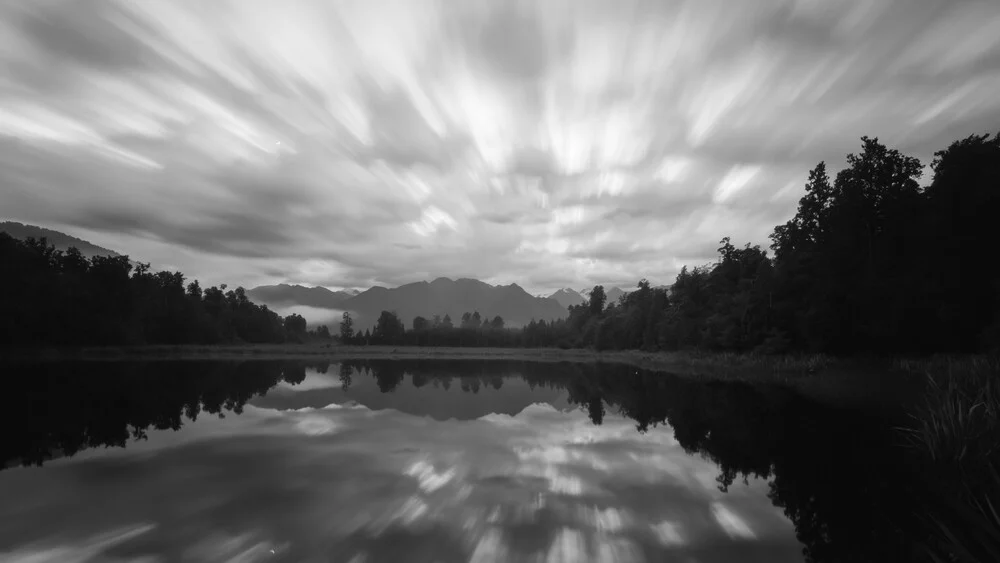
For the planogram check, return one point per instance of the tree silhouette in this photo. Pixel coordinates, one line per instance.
(388, 374)
(346, 328)
(344, 372)
(55, 298)
(597, 300)
(295, 326)
(388, 329)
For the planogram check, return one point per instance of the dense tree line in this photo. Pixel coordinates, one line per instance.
(472, 330)
(51, 297)
(870, 263)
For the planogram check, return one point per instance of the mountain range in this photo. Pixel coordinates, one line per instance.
(439, 297)
(445, 296)
(612, 294)
(442, 296)
(61, 241)
(568, 297)
(285, 295)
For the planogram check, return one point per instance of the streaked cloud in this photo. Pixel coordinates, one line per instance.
(554, 143)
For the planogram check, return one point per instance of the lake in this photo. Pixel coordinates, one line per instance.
(436, 461)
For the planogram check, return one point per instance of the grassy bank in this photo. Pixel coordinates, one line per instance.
(954, 434)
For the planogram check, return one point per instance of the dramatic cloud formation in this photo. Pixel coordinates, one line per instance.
(554, 143)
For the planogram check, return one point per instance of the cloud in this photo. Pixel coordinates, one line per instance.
(513, 43)
(89, 33)
(532, 163)
(391, 141)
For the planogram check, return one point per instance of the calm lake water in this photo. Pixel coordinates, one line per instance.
(435, 461)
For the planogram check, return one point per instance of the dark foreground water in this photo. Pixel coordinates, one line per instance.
(435, 461)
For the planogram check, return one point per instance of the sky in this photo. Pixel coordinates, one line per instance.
(547, 143)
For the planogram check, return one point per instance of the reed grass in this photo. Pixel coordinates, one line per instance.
(956, 431)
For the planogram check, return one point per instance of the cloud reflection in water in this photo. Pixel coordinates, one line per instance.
(362, 485)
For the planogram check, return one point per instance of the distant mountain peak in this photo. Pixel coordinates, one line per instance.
(444, 296)
(612, 294)
(567, 297)
(294, 294)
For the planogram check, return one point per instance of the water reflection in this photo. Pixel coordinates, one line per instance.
(61, 409)
(436, 461)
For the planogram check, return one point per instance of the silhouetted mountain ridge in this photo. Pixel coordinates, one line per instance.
(61, 241)
(285, 294)
(445, 296)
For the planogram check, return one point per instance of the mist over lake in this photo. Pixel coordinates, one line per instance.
(315, 316)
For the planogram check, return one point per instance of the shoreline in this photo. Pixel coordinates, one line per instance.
(841, 382)
(662, 361)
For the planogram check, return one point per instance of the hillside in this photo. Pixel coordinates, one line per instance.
(284, 295)
(452, 297)
(61, 241)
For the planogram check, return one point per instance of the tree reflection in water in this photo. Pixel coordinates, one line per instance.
(63, 408)
(839, 475)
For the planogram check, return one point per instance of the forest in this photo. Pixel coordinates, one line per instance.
(871, 263)
(55, 298)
